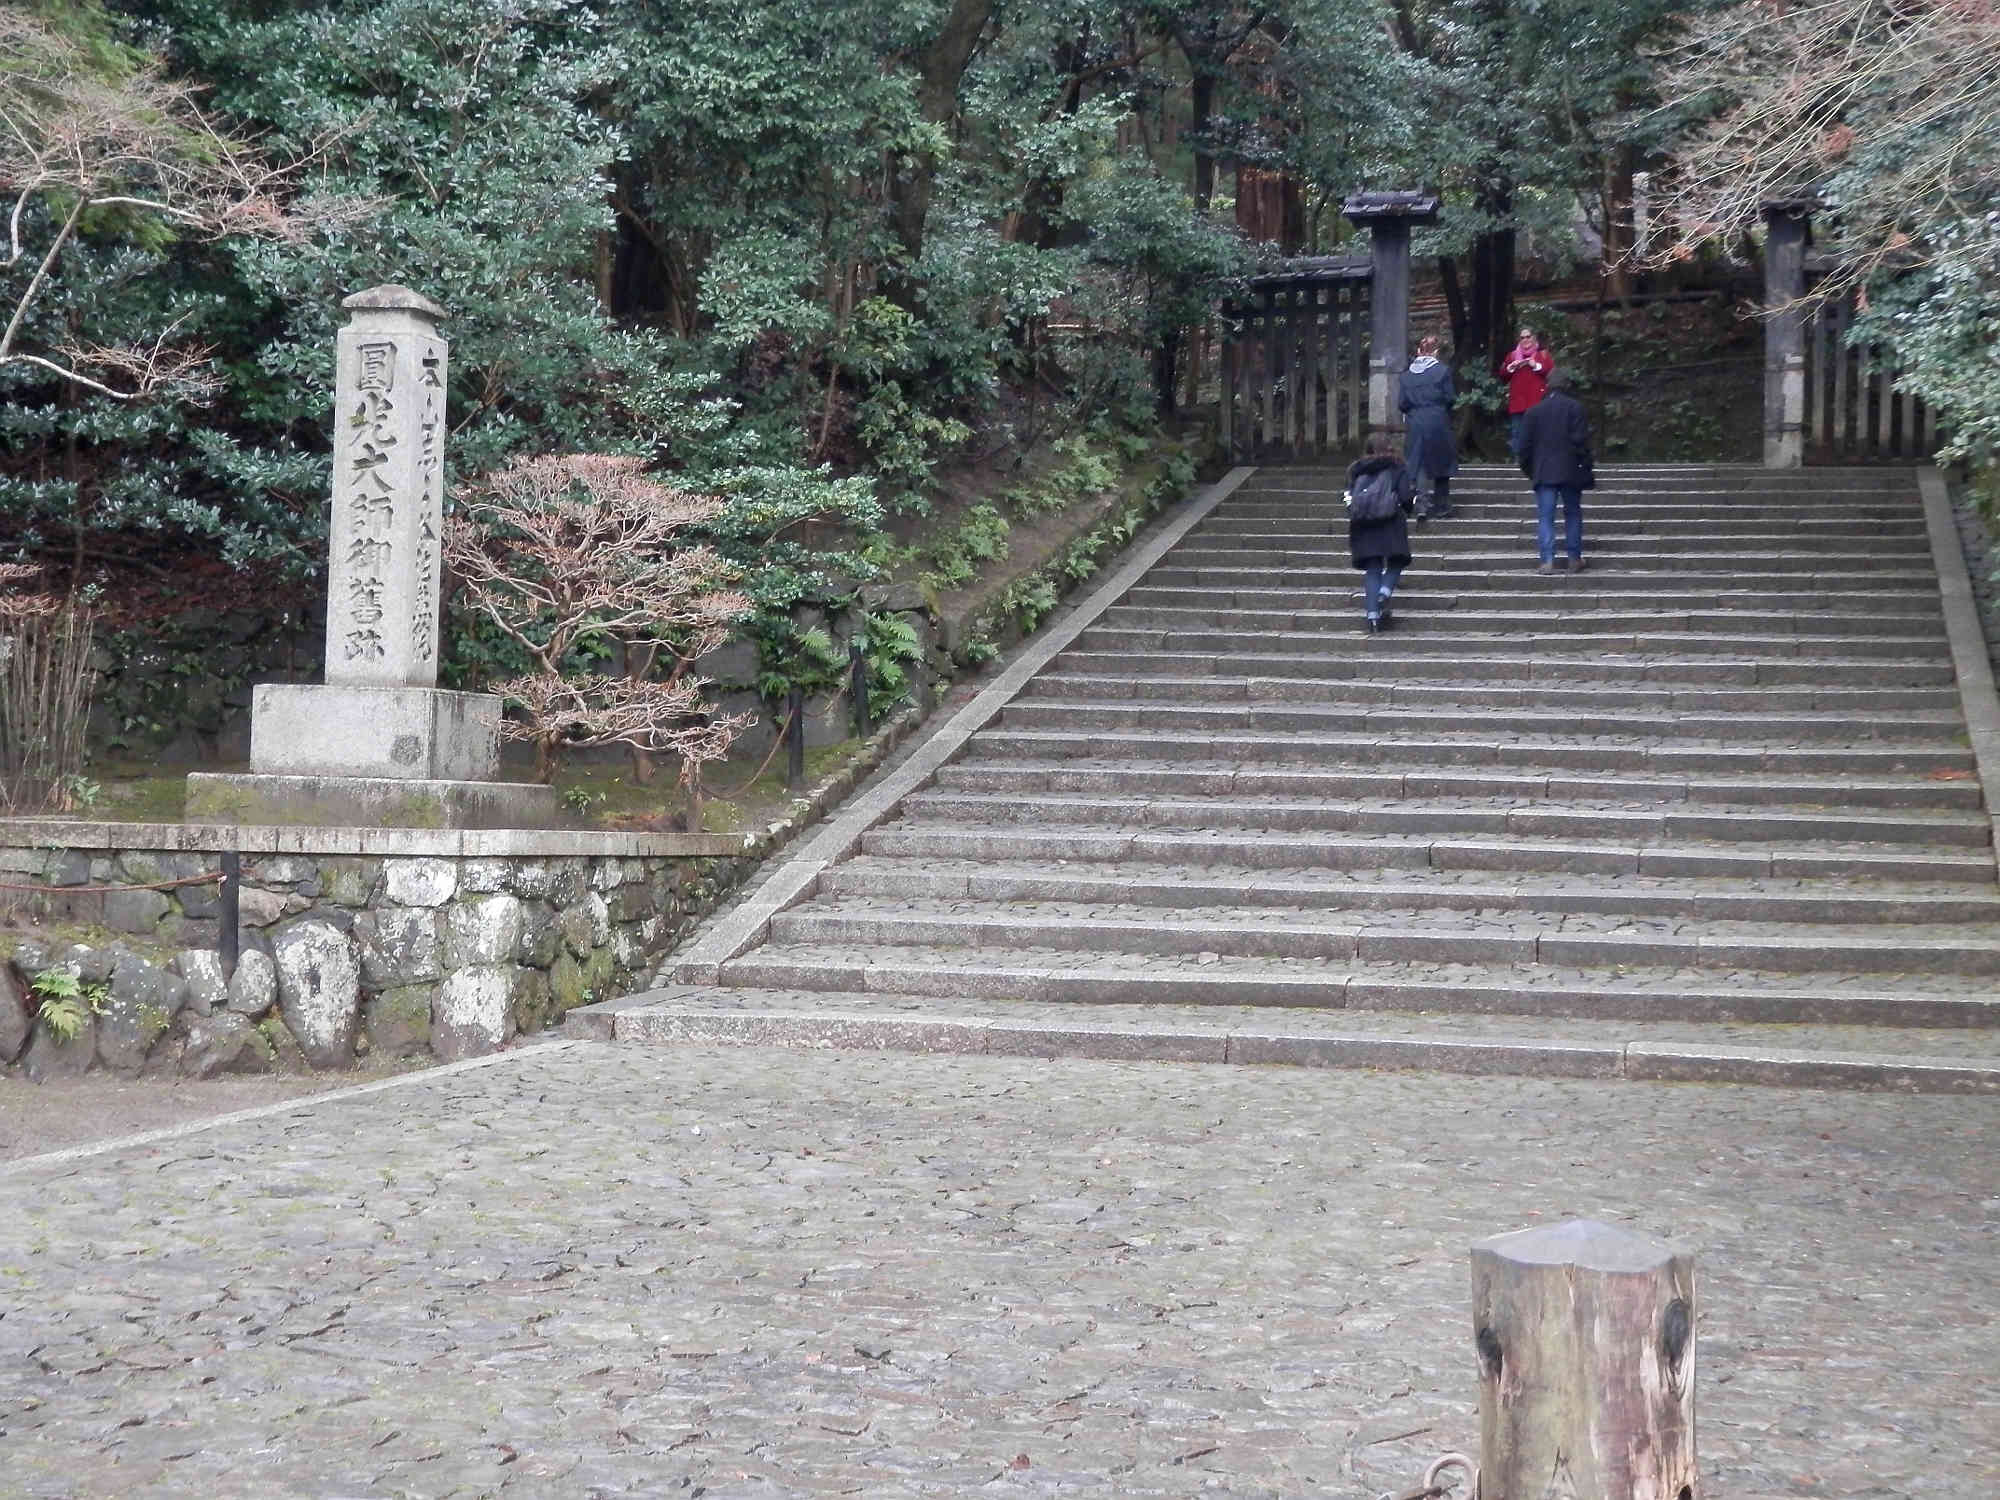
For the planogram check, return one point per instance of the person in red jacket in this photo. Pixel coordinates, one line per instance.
(1527, 368)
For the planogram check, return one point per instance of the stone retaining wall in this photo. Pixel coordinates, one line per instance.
(352, 940)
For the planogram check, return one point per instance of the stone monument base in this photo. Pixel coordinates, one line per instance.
(418, 734)
(369, 801)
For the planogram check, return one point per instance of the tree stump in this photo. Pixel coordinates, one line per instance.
(1585, 1335)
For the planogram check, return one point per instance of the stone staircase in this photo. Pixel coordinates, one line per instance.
(1705, 810)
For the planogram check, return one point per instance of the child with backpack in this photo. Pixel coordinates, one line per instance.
(1380, 496)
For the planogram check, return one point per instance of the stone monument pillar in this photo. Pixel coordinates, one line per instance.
(1786, 222)
(378, 744)
(1389, 217)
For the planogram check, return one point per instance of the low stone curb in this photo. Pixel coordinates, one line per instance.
(643, 1019)
(1969, 659)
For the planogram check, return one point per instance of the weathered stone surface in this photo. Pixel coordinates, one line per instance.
(349, 882)
(567, 880)
(607, 874)
(530, 1000)
(218, 1043)
(15, 1022)
(207, 989)
(485, 931)
(256, 907)
(141, 1005)
(397, 1022)
(600, 919)
(473, 1011)
(282, 869)
(530, 877)
(400, 945)
(90, 965)
(31, 956)
(419, 882)
(482, 876)
(253, 988)
(46, 1057)
(144, 866)
(577, 928)
(568, 988)
(201, 902)
(319, 990)
(541, 938)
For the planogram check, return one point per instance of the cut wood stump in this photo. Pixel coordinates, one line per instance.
(1585, 1335)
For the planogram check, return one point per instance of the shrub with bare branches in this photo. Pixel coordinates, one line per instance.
(1885, 111)
(91, 138)
(566, 553)
(45, 691)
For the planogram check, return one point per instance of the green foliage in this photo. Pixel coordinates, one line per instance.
(954, 559)
(64, 1004)
(891, 649)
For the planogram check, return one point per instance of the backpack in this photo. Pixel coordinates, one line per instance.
(1376, 496)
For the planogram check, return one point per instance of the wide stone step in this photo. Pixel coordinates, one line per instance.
(1515, 571)
(1450, 538)
(1455, 815)
(1277, 525)
(1481, 695)
(1437, 752)
(1491, 558)
(1533, 593)
(1576, 941)
(1511, 989)
(1423, 662)
(1905, 727)
(1814, 903)
(1905, 1059)
(1028, 779)
(1276, 849)
(1447, 634)
(1552, 616)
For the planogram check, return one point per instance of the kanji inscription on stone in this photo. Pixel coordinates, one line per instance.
(388, 492)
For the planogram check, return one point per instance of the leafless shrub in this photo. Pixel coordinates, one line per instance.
(560, 553)
(1886, 108)
(45, 691)
(81, 138)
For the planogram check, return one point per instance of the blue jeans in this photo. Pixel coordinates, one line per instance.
(1546, 496)
(1514, 421)
(1378, 582)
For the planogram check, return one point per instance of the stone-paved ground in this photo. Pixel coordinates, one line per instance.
(582, 1271)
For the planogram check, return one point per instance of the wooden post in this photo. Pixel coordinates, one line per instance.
(1388, 218)
(1785, 224)
(1585, 1335)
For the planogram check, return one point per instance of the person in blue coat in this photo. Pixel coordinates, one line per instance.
(1555, 455)
(1431, 451)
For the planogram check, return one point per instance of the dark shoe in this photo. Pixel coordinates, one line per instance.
(1388, 617)
(1372, 625)
(1576, 565)
(1441, 511)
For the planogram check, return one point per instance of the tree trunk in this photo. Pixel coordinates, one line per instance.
(1619, 235)
(1201, 105)
(940, 66)
(1490, 315)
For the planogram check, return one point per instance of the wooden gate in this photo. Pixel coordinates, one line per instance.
(1853, 411)
(1295, 362)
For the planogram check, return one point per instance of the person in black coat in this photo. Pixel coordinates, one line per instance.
(1432, 451)
(1555, 455)
(1380, 548)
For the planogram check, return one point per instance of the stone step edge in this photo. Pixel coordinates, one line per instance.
(657, 1018)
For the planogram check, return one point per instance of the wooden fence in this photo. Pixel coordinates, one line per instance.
(1853, 411)
(1295, 363)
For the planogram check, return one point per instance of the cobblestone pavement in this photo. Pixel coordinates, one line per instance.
(586, 1271)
